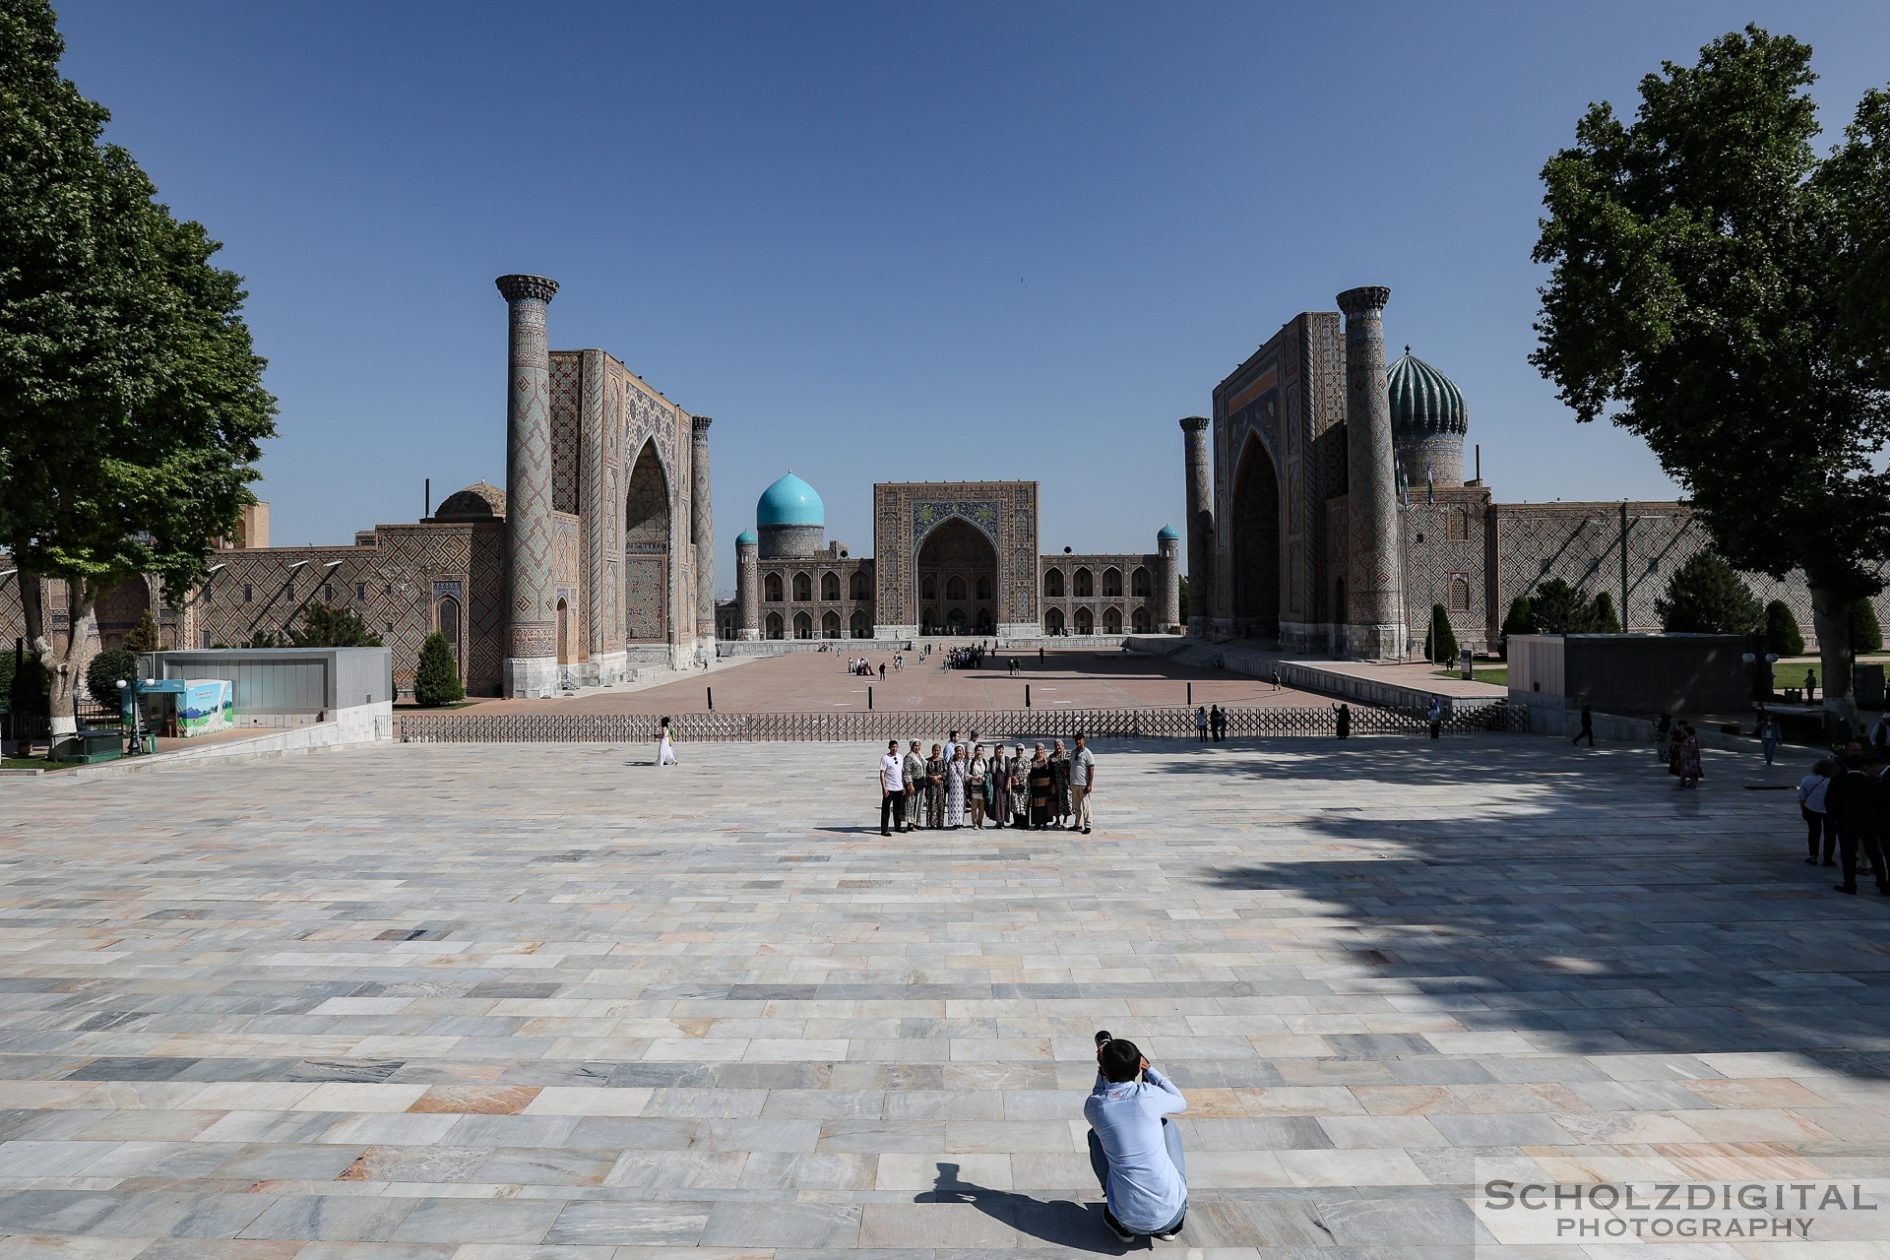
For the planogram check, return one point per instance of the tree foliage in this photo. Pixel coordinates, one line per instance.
(131, 399)
(105, 672)
(1440, 644)
(326, 626)
(142, 637)
(1782, 635)
(1866, 634)
(1602, 615)
(1706, 596)
(436, 678)
(1718, 289)
(1558, 608)
(1520, 619)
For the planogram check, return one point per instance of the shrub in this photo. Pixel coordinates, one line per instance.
(1558, 608)
(1603, 618)
(1707, 596)
(105, 672)
(1520, 619)
(1866, 634)
(436, 678)
(142, 637)
(1782, 635)
(323, 626)
(1440, 644)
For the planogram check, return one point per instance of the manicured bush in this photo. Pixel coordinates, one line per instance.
(1520, 619)
(1603, 618)
(1558, 608)
(325, 626)
(105, 672)
(1866, 634)
(1706, 595)
(1782, 635)
(436, 679)
(1440, 644)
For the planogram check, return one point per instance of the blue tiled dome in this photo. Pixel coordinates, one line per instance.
(790, 501)
(746, 538)
(1168, 533)
(1423, 400)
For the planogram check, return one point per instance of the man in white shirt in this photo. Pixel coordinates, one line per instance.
(892, 790)
(1082, 783)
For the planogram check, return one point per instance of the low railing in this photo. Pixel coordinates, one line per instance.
(881, 725)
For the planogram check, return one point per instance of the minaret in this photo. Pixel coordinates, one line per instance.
(1168, 547)
(1200, 465)
(702, 532)
(530, 666)
(1374, 560)
(747, 587)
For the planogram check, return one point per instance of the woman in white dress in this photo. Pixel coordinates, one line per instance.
(665, 750)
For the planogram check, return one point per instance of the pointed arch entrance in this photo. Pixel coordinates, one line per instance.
(955, 557)
(646, 561)
(1255, 527)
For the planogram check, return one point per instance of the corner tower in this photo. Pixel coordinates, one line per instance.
(530, 664)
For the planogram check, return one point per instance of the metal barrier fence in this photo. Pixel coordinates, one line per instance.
(881, 725)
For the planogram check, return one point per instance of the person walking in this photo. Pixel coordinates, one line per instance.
(914, 770)
(1082, 783)
(1690, 770)
(892, 790)
(1276, 678)
(1587, 731)
(1134, 1149)
(665, 748)
(935, 789)
(1769, 736)
(975, 772)
(1811, 685)
(1342, 720)
(882, 671)
(1819, 827)
(1852, 803)
(1435, 718)
(955, 772)
(1214, 724)
(1201, 723)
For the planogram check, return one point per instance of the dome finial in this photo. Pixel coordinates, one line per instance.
(1407, 348)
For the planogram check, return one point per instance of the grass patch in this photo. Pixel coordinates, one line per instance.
(408, 706)
(29, 763)
(1496, 675)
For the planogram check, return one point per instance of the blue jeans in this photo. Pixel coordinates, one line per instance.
(1099, 1163)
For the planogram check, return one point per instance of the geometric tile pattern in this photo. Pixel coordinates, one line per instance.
(740, 1024)
(529, 473)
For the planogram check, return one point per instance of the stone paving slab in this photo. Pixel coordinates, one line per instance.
(491, 1003)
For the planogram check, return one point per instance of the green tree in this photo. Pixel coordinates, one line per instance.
(1866, 634)
(326, 626)
(1717, 288)
(131, 399)
(1558, 608)
(1602, 615)
(1782, 636)
(1520, 619)
(142, 637)
(436, 678)
(267, 639)
(105, 672)
(1184, 602)
(1440, 645)
(1705, 596)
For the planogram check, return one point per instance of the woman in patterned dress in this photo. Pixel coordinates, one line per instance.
(935, 788)
(1020, 789)
(955, 771)
(975, 771)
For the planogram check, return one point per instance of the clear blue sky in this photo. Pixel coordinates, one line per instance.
(882, 242)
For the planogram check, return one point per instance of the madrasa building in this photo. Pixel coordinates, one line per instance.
(1328, 512)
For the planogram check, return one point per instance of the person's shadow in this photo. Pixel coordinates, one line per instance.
(1061, 1223)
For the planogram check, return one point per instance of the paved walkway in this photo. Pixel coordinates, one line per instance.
(492, 1003)
(815, 681)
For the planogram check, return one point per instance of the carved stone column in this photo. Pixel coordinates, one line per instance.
(1199, 461)
(1374, 558)
(747, 587)
(1169, 548)
(530, 666)
(702, 530)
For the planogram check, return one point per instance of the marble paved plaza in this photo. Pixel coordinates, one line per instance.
(499, 1003)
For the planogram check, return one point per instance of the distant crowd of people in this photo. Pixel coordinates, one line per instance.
(960, 785)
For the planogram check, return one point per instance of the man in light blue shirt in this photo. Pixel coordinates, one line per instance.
(1135, 1151)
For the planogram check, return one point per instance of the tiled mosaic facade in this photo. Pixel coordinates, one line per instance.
(1003, 513)
(1270, 521)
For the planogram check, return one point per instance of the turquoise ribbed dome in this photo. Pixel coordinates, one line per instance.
(1168, 534)
(746, 538)
(790, 501)
(1423, 400)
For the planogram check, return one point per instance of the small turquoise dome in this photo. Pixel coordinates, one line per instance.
(1423, 400)
(790, 501)
(746, 538)
(1168, 533)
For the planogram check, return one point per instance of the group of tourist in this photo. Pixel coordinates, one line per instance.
(963, 658)
(959, 784)
(1677, 744)
(1845, 802)
(864, 668)
(1210, 723)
